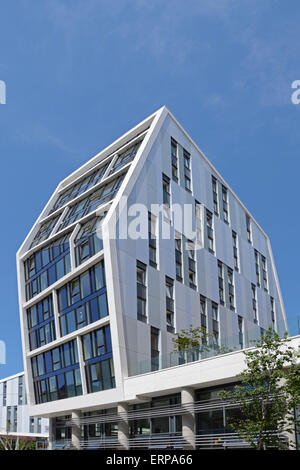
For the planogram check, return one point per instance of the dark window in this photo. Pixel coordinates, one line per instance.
(215, 194)
(170, 304)
(166, 197)
(152, 240)
(210, 232)
(178, 256)
(174, 160)
(248, 228)
(154, 348)
(40, 320)
(83, 300)
(141, 291)
(56, 373)
(187, 170)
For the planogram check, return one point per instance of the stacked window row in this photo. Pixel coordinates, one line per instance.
(56, 373)
(91, 202)
(44, 231)
(125, 157)
(40, 320)
(94, 178)
(81, 301)
(80, 187)
(46, 266)
(89, 241)
(51, 263)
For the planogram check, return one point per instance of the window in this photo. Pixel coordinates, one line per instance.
(248, 228)
(91, 202)
(152, 240)
(4, 393)
(235, 250)
(210, 232)
(154, 349)
(178, 256)
(203, 310)
(44, 231)
(31, 424)
(264, 272)
(21, 390)
(8, 419)
(166, 197)
(83, 300)
(97, 352)
(51, 379)
(40, 321)
(198, 217)
(170, 304)
(257, 267)
(89, 241)
(225, 204)
(261, 270)
(241, 332)
(125, 157)
(273, 316)
(187, 170)
(174, 159)
(254, 303)
(141, 291)
(221, 283)
(80, 187)
(215, 194)
(46, 266)
(230, 288)
(15, 419)
(192, 264)
(215, 323)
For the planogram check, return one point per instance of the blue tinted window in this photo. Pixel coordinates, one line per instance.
(71, 321)
(103, 305)
(63, 300)
(85, 285)
(60, 268)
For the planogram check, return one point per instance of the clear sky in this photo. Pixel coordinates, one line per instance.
(79, 73)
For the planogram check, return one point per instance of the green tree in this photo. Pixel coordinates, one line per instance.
(9, 443)
(190, 338)
(197, 338)
(268, 394)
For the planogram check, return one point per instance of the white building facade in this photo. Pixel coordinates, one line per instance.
(15, 419)
(141, 242)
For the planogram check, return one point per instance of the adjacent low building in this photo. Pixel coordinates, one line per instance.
(15, 419)
(141, 242)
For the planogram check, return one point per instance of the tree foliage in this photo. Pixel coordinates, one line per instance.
(191, 338)
(197, 338)
(9, 443)
(268, 394)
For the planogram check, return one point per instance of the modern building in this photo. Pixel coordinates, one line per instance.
(142, 241)
(15, 420)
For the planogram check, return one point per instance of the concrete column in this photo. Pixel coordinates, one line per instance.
(188, 418)
(76, 432)
(51, 433)
(123, 427)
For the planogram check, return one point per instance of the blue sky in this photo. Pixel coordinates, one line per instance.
(80, 73)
